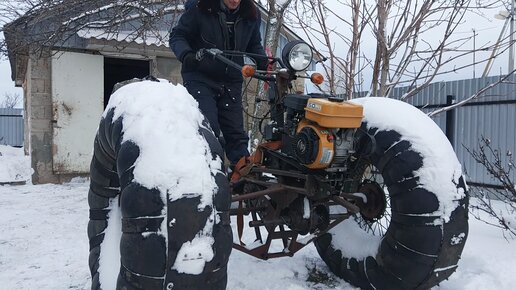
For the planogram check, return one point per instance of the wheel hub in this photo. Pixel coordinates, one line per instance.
(373, 208)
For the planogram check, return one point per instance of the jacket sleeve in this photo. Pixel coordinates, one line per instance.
(181, 35)
(255, 45)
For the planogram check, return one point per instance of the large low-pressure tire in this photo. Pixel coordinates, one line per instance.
(153, 226)
(426, 221)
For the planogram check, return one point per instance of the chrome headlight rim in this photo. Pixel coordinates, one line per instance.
(297, 47)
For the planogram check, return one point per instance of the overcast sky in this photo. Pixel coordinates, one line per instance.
(6, 84)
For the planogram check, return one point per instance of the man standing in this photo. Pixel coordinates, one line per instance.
(225, 25)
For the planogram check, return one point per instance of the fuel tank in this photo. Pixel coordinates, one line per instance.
(334, 113)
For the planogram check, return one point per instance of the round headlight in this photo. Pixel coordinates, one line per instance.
(297, 55)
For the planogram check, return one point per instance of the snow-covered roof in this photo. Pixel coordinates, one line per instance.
(157, 38)
(96, 29)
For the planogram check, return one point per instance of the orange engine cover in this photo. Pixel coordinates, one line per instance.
(331, 114)
(314, 145)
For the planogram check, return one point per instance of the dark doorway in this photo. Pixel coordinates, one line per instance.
(118, 69)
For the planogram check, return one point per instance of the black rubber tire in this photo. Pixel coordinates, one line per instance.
(146, 263)
(414, 253)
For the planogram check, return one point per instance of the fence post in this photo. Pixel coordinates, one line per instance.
(450, 120)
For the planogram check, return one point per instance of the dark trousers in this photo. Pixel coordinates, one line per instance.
(221, 104)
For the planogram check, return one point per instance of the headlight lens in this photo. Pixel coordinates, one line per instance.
(298, 55)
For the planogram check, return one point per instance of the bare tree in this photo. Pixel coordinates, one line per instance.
(402, 55)
(500, 167)
(10, 100)
(312, 18)
(389, 40)
(39, 24)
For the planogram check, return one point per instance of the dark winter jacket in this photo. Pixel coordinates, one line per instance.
(203, 25)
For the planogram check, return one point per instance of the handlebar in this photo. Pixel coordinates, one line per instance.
(263, 77)
(218, 54)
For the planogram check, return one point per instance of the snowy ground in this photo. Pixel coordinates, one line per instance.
(14, 166)
(43, 245)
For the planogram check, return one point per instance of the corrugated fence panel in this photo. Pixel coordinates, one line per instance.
(435, 94)
(494, 122)
(439, 119)
(11, 127)
(464, 89)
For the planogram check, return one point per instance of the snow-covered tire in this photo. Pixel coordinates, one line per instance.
(428, 227)
(141, 237)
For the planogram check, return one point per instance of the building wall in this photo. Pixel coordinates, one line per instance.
(167, 68)
(27, 110)
(39, 118)
(77, 104)
(38, 107)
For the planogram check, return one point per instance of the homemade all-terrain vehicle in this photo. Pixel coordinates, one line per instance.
(373, 182)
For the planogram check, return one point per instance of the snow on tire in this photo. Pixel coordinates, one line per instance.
(159, 198)
(428, 225)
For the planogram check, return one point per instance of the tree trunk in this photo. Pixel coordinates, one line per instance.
(381, 49)
(354, 48)
(272, 34)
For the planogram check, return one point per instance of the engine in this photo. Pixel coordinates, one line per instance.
(319, 130)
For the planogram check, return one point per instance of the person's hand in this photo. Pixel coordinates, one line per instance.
(190, 61)
(264, 64)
